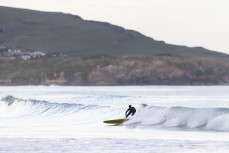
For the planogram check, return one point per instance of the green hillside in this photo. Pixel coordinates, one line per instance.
(70, 34)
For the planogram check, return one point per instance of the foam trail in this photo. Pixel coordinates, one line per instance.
(183, 117)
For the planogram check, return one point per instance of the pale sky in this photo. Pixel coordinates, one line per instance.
(184, 22)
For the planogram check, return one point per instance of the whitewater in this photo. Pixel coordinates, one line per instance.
(58, 119)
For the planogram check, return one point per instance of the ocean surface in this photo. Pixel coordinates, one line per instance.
(57, 119)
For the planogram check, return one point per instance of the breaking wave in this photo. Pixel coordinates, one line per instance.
(146, 116)
(182, 117)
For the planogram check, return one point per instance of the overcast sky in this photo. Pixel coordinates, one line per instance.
(183, 22)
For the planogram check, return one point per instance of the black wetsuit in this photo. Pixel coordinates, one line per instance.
(130, 110)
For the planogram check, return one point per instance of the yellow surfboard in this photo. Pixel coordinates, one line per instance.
(115, 121)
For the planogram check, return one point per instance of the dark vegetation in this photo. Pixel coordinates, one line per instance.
(57, 32)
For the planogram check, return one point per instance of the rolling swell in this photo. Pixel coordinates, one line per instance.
(15, 107)
(182, 117)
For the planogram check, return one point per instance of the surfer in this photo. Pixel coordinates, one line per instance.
(131, 110)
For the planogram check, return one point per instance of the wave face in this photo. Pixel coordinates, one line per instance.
(182, 117)
(147, 116)
(15, 107)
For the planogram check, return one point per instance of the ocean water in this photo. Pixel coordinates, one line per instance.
(57, 119)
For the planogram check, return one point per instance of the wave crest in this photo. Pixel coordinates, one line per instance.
(16, 107)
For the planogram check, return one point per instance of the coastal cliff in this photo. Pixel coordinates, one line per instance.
(114, 71)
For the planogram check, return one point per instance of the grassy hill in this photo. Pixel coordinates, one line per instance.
(70, 34)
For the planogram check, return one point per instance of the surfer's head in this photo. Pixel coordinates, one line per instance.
(129, 106)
